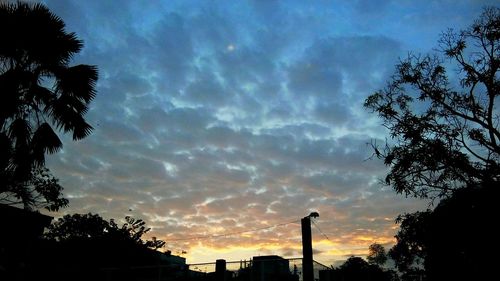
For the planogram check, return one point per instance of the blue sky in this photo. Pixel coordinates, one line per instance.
(216, 117)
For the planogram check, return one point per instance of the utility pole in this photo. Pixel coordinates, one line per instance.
(220, 270)
(307, 253)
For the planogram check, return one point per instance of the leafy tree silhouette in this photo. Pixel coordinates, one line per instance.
(40, 92)
(453, 241)
(86, 246)
(90, 226)
(356, 268)
(376, 254)
(445, 144)
(444, 138)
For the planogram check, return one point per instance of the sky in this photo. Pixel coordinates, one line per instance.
(219, 117)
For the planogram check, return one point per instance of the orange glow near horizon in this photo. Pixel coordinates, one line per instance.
(200, 244)
(327, 252)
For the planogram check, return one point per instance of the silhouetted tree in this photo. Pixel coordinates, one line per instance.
(453, 241)
(410, 250)
(356, 268)
(94, 227)
(87, 247)
(445, 144)
(376, 254)
(445, 135)
(40, 92)
(355, 264)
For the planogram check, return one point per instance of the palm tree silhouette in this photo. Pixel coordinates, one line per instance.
(40, 92)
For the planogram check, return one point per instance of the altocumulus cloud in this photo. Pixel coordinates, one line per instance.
(222, 116)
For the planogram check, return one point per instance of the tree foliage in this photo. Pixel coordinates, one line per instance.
(444, 131)
(452, 241)
(410, 250)
(445, 144)
(376, 254)
(40, 92)
(356, 268)
(88, 247)
(78, 227)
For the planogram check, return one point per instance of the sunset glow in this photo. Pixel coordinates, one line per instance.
(223, 123)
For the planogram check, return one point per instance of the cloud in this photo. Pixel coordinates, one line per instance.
(203, 139)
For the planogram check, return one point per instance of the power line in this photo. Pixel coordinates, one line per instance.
(231, 233)
(321, 231)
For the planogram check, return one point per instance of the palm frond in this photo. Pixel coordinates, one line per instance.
(81, 129)
(78, 81)
(20, 133)
(45, 140)
(42, 95)
(73, 103)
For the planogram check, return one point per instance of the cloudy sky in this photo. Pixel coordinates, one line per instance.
(216, 117)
